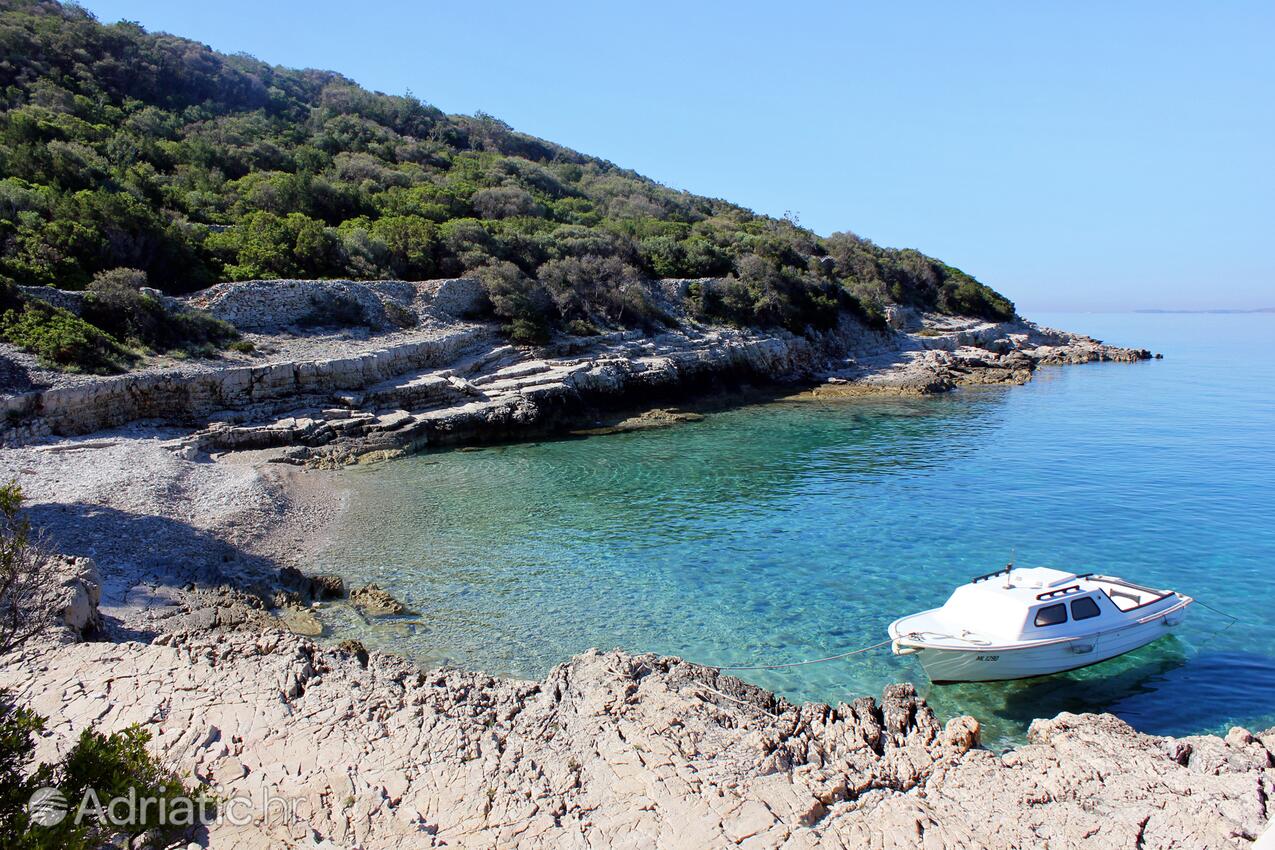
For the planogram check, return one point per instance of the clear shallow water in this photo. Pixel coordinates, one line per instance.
(794, 530)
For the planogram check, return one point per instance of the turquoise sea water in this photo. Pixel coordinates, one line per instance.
(794, 530)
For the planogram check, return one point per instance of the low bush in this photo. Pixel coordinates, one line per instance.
(521, 301)
(118, 322)
(28, 581)
(581, 327)
(109, 766)
(769, 295)
(62, 340)
(971, 298)
(115, 304)
(602, 291)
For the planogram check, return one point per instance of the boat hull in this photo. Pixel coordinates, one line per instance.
(993, 664)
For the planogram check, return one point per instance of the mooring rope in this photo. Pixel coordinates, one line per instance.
(736, 700)
(1230, 617)
(1217, 634)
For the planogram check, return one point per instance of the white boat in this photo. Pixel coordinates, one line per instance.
(1021, 622)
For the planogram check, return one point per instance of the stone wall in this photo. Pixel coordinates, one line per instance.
(189, 397)
(271, 306)
(66, 299)
(482, 389)
(455, 297)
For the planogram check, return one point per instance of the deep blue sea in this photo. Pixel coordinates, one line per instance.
(787, 531)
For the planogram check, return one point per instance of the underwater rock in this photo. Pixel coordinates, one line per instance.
(375, 602)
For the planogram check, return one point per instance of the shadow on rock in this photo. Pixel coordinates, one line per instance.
(143, 561)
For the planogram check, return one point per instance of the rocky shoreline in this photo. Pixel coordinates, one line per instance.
(615, 750)
(439, 378)
(168, 481)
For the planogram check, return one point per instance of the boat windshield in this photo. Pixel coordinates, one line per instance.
(1126, 596)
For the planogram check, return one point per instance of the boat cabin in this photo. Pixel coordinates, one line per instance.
(1037, 603)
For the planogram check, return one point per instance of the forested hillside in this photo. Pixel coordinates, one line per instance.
(125, 149)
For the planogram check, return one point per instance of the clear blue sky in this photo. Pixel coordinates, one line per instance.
(1079, 155)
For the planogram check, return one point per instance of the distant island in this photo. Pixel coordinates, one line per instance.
(1212, 310)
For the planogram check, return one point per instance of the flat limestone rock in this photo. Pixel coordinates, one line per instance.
(301, 621)
(375, 602)
(656, 418)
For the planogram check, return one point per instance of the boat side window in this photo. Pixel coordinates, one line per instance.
(1083, 609)
(1051, 615)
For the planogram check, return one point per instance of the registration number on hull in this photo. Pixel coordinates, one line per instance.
(987, 658)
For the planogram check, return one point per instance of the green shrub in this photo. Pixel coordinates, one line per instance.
(971, 298)
(521, 301)
(62, 340)
(581, 327)
(527, 331)
(110, 765)
(869, 313)
(18, 729)
(771, 295)
(118, 321)
(115, 304)
(664, 256)
(603, 291)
